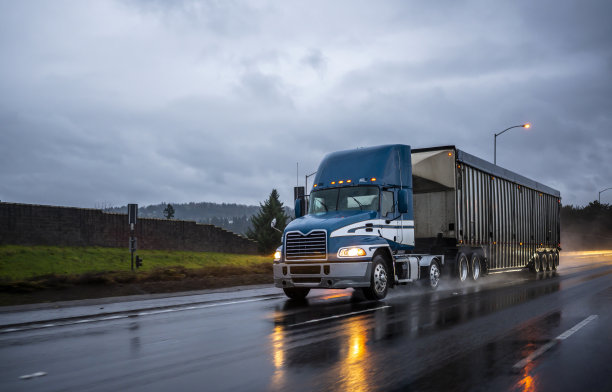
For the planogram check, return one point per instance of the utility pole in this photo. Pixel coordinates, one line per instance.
(132, 216)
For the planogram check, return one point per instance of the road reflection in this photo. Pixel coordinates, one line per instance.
(527, 381)
(354, 364)
(278, 352)
(342, 361)
(322, 341)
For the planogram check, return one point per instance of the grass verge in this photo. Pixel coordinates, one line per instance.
(106, 271)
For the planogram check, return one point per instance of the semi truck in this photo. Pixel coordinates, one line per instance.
(385, 216)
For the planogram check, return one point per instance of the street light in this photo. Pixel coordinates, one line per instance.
(600, 192)
(526, 125)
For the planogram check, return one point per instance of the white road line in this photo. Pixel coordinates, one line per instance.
(33, 375)
(338, 316)
(123, 316)
(573, 330)
(522, 363)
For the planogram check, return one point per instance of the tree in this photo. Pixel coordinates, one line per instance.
(169, 211)
(267, 238)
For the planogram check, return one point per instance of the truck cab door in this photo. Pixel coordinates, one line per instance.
(405, 221)
(388, 211)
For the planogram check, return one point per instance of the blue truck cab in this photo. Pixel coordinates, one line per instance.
(358, 229)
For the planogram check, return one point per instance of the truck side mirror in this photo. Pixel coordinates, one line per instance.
(402, 201)
(298, 208)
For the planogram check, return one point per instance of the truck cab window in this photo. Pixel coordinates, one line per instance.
(363, 198)
(360, 198)
(387, 207)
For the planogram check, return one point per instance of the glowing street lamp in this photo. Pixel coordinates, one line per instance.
(526, 125)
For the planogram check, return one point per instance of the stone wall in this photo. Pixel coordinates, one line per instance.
(28, 224)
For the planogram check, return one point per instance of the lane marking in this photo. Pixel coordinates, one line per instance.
(574, 329)
(33, 375)
(522, 363)
(129, 315)
(338, 316)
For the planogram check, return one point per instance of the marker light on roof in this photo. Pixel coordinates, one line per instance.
(348, 181)
(373, 179)
(333, 182)
(340, 182)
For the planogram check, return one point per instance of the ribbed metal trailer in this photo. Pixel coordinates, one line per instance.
(481, 216)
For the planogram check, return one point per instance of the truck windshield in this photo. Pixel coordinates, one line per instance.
(364, 198)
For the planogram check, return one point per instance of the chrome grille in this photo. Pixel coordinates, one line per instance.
(312, 246)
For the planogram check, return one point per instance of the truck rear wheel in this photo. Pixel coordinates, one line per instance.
(555, 262)
(297, 293)
(476, 266)
(463, 267)
(378, 281)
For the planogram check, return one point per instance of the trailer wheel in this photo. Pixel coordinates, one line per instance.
(378, 281)
(555, 262)
(476, 266)
(537, 263)
(549, 261)
(297, 293)
(434, 274)
(463, 267)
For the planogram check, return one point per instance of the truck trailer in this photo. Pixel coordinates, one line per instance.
(389, 215)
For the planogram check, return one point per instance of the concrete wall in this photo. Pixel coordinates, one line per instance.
(28, 224)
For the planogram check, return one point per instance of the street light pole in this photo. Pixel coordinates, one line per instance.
(600, 192)
(527, 125)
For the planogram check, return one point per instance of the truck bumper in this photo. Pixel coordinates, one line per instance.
(339, 275)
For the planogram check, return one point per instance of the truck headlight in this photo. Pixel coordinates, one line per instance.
(277, 255)
(351, 252)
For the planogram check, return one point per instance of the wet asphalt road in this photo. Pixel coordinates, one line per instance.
(457, 338)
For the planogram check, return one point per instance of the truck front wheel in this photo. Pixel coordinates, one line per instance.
(434, 274)
(297, 293)
(378, 281)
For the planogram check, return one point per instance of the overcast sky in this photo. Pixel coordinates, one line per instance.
(112, 102)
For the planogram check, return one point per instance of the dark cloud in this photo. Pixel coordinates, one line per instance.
(114, 102)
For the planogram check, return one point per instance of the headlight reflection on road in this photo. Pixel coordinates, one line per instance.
(277, 346)
(278, 352)
(354, 367)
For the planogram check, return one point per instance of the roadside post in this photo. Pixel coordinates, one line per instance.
(132, 216)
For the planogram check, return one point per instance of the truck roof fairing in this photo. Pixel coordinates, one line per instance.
(362, 165)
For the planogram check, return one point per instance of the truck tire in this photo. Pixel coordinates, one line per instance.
(548, 261)
(476, 266)
(297, 293)
(434, 274)
(537, 263)
(378, 280)
(462, 267)
(555, 262)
